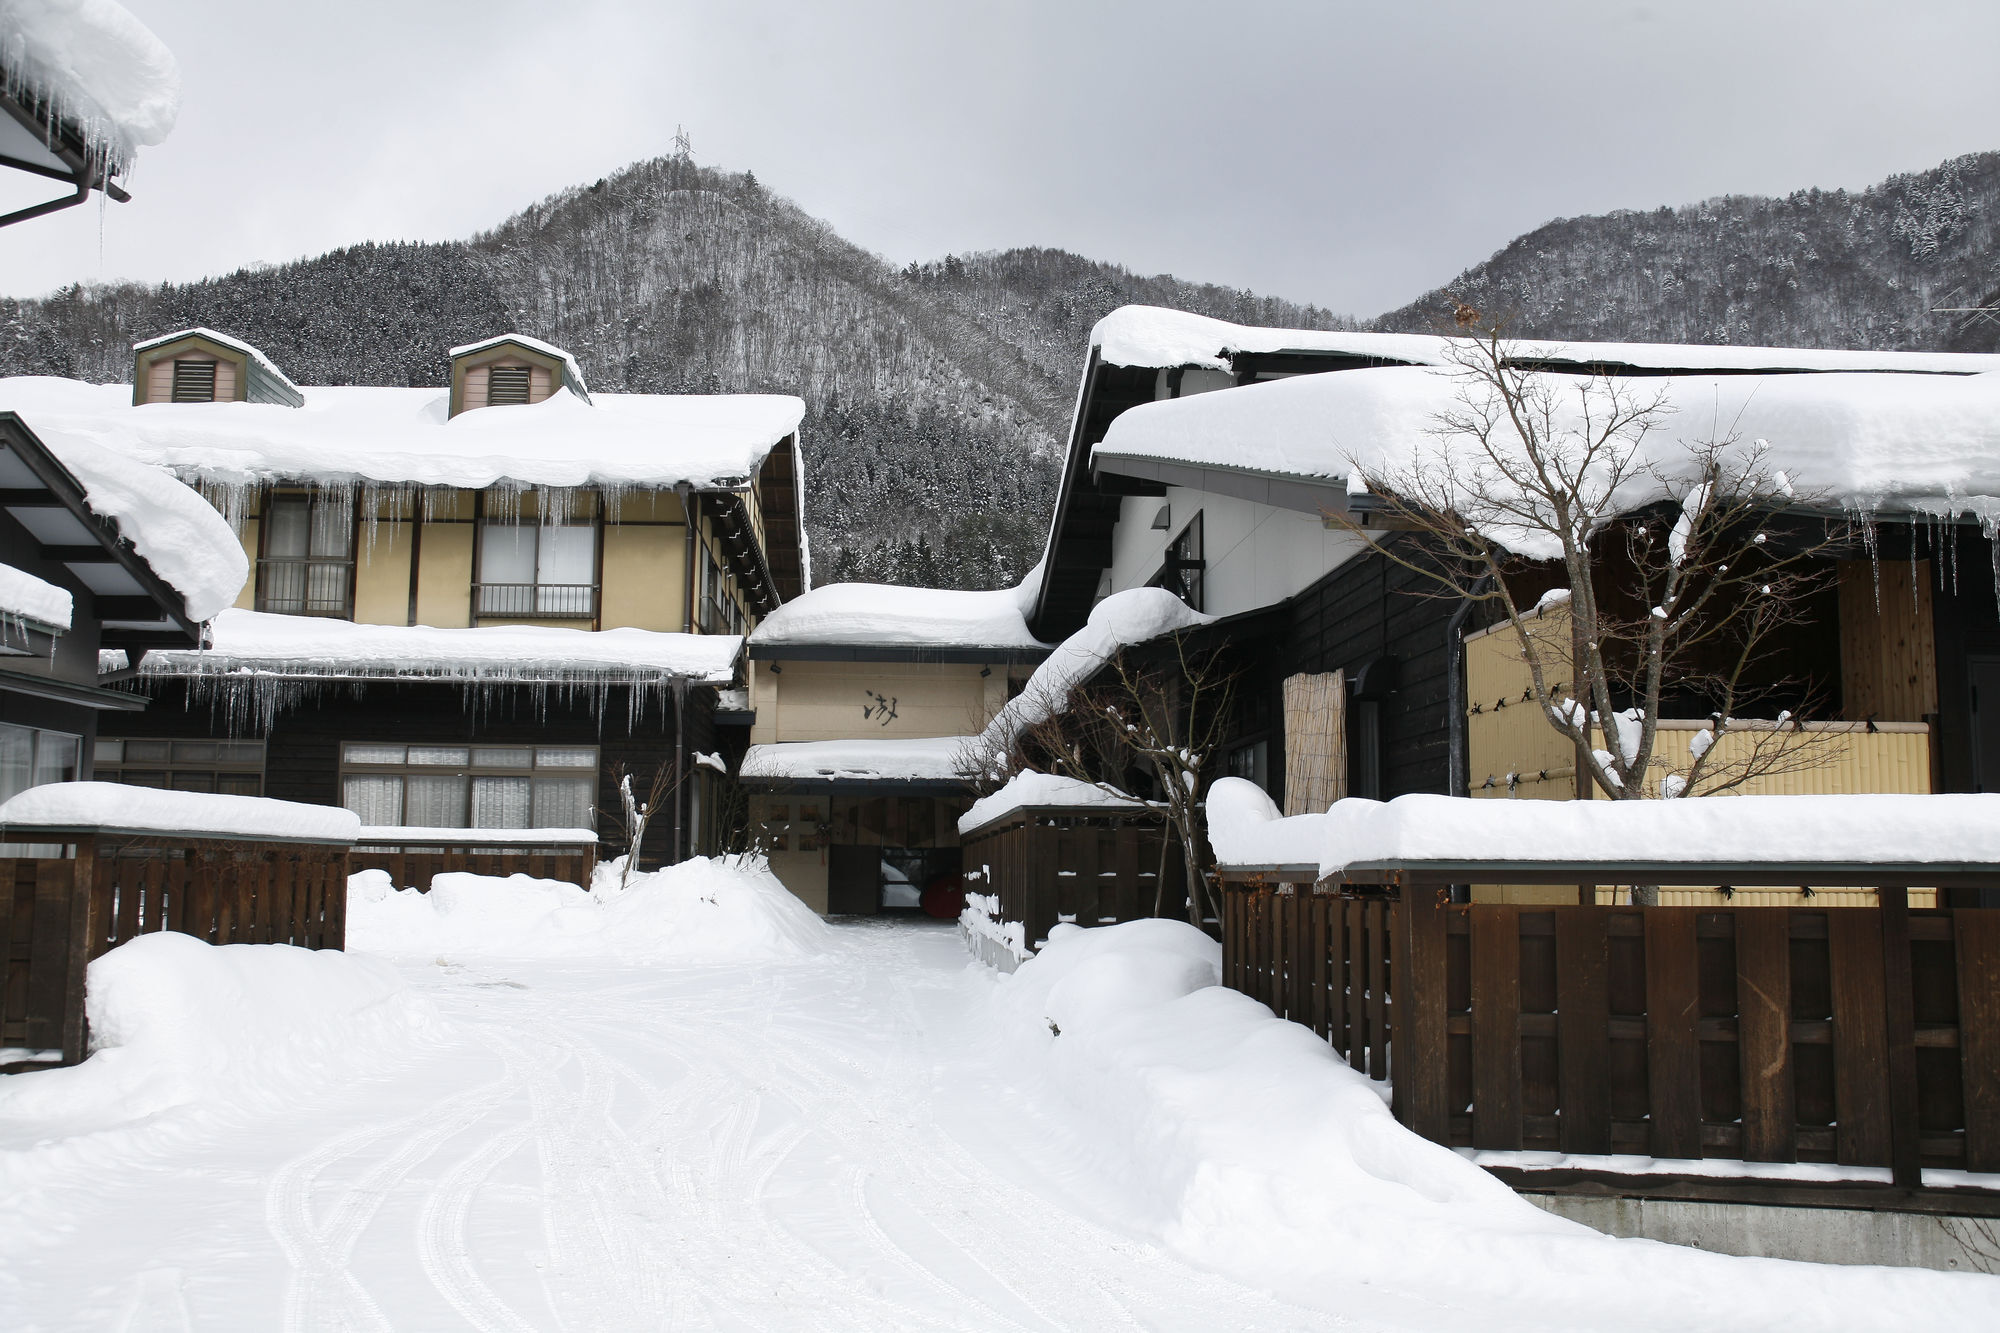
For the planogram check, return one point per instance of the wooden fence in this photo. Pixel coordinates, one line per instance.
(1865, 1037)
(415, 870)
(222, 892)
(1051, 865)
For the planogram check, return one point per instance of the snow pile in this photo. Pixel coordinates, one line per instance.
(25, 597)
(987, 935)
(176, 532)
(1873, 443)
(1245, 830)
(113, 806)
(1141, 335)
(98, 67)
(1028, 790)
(877, 613)
(406, 437)
(234, 344)
(706, 910)
(926, 759)
(1247, 1145)
(175, 1021)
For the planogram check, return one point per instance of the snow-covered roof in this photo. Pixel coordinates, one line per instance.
(1874, 443)
(406, 437)
(112, 807)
(1141, 335)
(269, 366)
(97, 68)
(883, 614)
(25, 597)
(310, 647)
(571, 369)
(1245, 830)
(930, 759)
(399, 834)
(1029, 790)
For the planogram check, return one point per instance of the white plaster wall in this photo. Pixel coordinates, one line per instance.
(1257, 555)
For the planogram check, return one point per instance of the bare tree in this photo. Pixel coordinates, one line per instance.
(1669, 566)
(635, 813)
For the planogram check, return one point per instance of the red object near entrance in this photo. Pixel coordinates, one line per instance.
(944, 897)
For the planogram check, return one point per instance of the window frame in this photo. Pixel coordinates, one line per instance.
(1186, 554)
(113, 770)
(593, 611)
(267, 563)
(470, 770)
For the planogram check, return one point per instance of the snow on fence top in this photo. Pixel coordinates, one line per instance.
(405, 437)
(1245, 830)
(1875, 443)
(25, 597)
(111, 807)
(876, 613)
(1029, 790)
(260, 643)
(234, 344)
(1142, 335)
(178, 534)
(416, 835)
(929, 759)
(97, 68)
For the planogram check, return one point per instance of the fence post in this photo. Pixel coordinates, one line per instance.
(84, 930)
(1899, 1007)
(1421, 1078)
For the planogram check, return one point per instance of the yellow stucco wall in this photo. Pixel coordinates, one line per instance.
(645, 575)
(247, 599)
(382, 575)
(444, 576)
(824, 701)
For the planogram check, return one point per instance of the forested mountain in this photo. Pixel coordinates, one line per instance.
(1817, 268)
(936, 394)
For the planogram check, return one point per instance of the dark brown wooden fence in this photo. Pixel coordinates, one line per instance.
(414, 870)
(1858, 1036)
(222, 892)
(1054, 865)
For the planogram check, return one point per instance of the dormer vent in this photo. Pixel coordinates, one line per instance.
(512, 370)
(508, 385)
(195, 381)
(203, 366)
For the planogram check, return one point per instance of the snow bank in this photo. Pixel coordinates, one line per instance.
(702, 910)
(25, 597)
(405, 437)
(879, 613)
(318, 647)
(175, 1021)
(115, 807)
(1244, 1143)
(1873, 443)
(926, 759)
(1029, 790)
(1141, 335)
(98, 67)
(1245, 830)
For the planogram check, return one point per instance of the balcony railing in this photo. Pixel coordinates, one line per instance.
(545, 601)
(300, 587)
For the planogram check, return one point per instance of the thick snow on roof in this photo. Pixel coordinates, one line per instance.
(1143, 335)
(176, 532)
(256, 642)
(400, 834)
(1245, 829)
(534, 345)
(234, 344)
(931, 759)
(1907, 444)
(1029, 790)
(404, 437)
(113, 806)
(880, 613)
(98, 67)
(25, 597)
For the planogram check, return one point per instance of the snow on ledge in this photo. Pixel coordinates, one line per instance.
(880, 613)
(421, 836)
(260, 643)
(1246, 831)
(929, 759)
(25, 597)
(111, 807)
(1029, 790)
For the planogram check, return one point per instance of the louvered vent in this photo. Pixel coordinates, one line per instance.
(194, 381)
(507, 385)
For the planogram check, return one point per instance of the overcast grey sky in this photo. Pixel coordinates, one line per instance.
(1348, 154)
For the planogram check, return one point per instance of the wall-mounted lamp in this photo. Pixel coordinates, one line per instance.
(986, 671)
(777, 670)
(1165, 518)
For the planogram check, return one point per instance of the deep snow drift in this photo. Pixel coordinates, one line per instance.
(709, 909)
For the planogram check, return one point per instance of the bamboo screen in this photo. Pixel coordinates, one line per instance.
(1315, 741)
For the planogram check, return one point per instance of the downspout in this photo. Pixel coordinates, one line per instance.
(686, 492)
(680, 766)
(1457, 764)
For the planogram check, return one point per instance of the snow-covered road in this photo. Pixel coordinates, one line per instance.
(597, 1147)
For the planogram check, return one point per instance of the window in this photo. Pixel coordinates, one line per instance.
(233, 768)
(547, 570)
(1252, 761)
(719, 612)
(470, 786)
(507, 386)
(1182, 572)
(31, 757)
(194, 382)
(308, 563)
